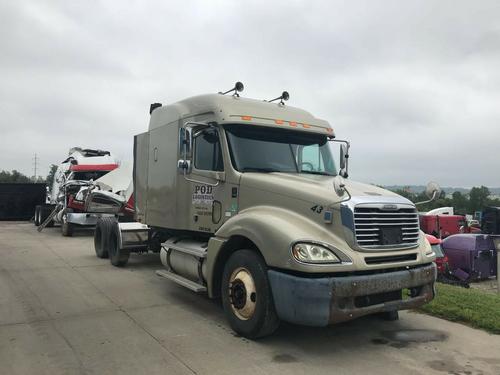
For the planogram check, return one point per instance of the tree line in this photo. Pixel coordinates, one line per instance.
(15, 176)
(477, 199)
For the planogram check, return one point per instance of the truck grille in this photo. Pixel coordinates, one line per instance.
(377, 228)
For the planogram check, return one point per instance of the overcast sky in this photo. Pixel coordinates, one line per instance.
(415, 86)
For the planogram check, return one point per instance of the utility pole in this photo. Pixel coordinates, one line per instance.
(35, 166)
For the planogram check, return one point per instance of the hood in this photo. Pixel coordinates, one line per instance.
(314, 188)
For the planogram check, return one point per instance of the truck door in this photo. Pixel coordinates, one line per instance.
(208, 191)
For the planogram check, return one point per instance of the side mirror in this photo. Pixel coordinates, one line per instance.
(185, 145)
(433, 190)
(343, 150)
(344, 155)
(339, 185)
(185, 141)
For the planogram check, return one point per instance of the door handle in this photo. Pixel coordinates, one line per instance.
(216, 211)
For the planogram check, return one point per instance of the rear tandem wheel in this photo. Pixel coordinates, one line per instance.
(102, 235)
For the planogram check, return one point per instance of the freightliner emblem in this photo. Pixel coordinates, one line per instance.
(389, 207)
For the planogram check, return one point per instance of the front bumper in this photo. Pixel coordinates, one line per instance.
(85, 219)
(328, 300)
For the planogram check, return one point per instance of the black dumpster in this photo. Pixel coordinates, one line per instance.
(18, 200)
(490, 222)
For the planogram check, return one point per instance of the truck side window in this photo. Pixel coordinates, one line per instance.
(208, 152)
(311, 159)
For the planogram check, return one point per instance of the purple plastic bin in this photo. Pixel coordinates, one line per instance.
(474, 254)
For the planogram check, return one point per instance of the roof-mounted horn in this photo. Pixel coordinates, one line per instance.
(284, 97)
(238, 87)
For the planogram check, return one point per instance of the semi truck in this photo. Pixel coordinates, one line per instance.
(443, 226)
(245, 202)
(87, 184)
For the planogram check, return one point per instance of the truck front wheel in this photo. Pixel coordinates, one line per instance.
(247, 297)
(66, 227)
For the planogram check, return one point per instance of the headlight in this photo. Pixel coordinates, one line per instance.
(429, 252)
(312, 253)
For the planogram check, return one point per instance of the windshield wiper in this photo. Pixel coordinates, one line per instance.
(264, 170)
(317, 172)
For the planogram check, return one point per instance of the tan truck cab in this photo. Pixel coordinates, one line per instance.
(245, 200)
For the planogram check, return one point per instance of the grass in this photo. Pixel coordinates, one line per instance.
(473, 307)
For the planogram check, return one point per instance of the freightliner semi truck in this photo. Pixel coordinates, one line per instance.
(244, 200)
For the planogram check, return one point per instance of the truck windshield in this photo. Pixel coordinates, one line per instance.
(261, 149)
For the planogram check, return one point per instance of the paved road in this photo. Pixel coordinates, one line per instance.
(64, 311)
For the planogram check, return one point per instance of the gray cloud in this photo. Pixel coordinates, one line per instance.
(414, 85)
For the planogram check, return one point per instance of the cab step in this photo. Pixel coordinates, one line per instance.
(178, 279)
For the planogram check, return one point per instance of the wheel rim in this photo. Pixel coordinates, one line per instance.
(242, 293)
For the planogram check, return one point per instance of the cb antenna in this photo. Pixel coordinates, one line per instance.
(284, 97)
(238, 87)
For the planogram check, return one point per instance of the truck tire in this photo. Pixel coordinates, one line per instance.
(66, 228)
(100, 240)
(101, 236)
(117, 257)
(45, 211)
(36, 221)
(247, 297)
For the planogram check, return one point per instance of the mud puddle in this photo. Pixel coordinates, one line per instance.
(403, 338)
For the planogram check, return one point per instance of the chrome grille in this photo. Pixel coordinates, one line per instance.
(369, 222)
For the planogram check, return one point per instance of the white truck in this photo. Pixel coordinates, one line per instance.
(245, 201)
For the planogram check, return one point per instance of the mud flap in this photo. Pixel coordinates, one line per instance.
(133, 236)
